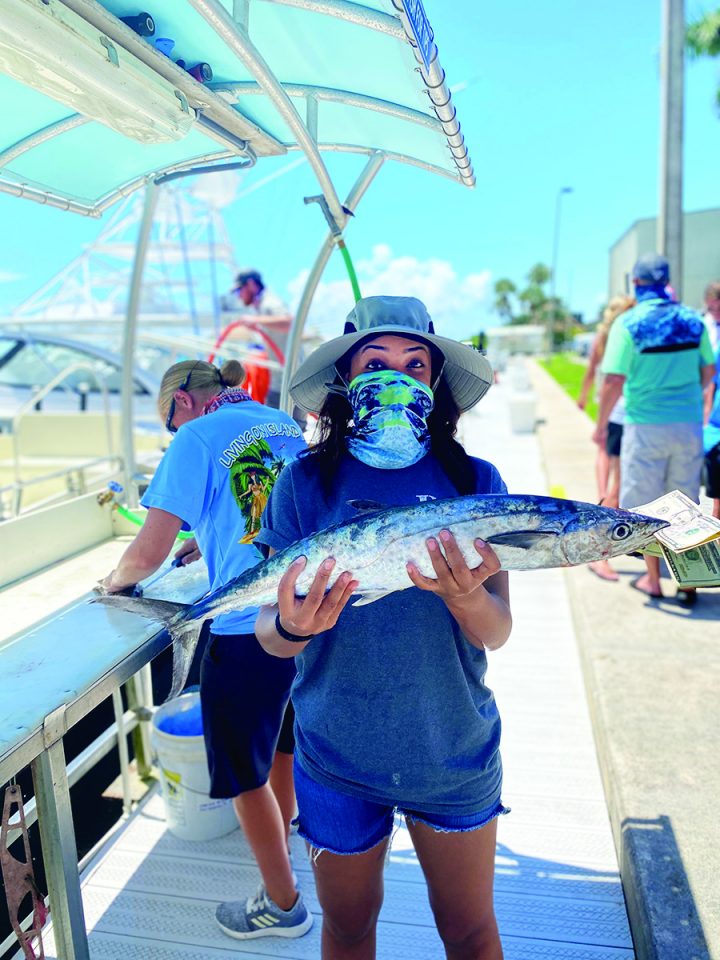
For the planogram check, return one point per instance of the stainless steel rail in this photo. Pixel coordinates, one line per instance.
(18, 486)
(43, 751)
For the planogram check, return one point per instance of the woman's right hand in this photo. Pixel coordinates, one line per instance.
(320, 609)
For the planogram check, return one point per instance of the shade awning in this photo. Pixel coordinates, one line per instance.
(92, 108)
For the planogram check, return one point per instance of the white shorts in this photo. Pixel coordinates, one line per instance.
(656, 458)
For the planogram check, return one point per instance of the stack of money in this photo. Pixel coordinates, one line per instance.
(690, 545)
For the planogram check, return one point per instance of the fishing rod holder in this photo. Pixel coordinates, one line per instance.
(332, 223)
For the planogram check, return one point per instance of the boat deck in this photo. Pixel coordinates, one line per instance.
(150, 895)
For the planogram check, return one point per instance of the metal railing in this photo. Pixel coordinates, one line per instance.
(76, 474)
(43, 751)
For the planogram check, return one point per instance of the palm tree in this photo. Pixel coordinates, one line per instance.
(504, 290)
(703, 38)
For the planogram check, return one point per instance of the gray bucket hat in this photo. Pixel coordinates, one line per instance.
(466, 371)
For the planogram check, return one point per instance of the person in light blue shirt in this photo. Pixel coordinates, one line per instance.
(392, 709)
(215, 479)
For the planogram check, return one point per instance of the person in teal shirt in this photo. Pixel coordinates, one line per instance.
(659, 357)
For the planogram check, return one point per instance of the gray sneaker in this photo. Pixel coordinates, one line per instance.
(259, 916)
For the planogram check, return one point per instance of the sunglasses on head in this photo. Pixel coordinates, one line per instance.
(169, 425)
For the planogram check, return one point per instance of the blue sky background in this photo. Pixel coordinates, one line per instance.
(557, 94)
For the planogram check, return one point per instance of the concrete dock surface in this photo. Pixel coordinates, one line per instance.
(652, 677)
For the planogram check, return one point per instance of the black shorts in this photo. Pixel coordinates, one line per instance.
(614, 439)
(246, 711)
(712, 472)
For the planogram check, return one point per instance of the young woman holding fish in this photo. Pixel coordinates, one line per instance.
(214, 479)
(392, 712)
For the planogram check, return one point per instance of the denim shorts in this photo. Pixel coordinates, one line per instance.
(343, 824)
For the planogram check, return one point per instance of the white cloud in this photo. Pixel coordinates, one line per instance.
(9, 276)
(459, 306)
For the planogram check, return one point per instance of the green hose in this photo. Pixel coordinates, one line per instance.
(139, 521)
(350, 269)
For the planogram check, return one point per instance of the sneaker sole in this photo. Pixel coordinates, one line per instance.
(298, 930)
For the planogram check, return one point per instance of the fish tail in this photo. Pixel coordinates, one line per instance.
(185, 635)
(183, 630)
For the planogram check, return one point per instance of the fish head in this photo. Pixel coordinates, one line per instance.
(598, 533)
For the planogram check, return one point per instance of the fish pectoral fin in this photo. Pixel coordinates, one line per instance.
(367, 506)
(370, 596)
(520, 539)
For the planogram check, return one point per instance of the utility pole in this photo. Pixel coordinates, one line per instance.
(554, 265)
(670, 215)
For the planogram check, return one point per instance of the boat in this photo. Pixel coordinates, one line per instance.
(99, 111)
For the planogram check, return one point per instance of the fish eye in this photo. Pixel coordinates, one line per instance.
(621, 531)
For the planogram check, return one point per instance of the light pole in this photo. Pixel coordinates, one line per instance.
(553, 269)
(670, 214)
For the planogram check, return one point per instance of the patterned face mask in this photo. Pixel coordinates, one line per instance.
(389, 419)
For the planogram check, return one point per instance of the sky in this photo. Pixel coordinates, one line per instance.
(549, 95)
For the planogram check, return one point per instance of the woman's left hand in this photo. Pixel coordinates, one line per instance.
(455, 579)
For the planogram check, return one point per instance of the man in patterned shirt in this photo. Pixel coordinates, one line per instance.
(659, 356)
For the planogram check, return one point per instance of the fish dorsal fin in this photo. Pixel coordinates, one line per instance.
(521, 539)
(367, 506)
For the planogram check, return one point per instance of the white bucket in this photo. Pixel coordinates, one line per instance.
(180, 750)
(522, 412)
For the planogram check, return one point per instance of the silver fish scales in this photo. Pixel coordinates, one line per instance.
(526, 533)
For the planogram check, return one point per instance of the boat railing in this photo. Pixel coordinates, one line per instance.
(76, 474)
(40, 706)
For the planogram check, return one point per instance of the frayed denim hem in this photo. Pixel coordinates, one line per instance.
(498, 811)
(314, 850)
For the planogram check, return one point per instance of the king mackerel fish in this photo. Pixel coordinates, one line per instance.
(526, 533)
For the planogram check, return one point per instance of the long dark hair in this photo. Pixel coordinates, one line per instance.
(336, 413)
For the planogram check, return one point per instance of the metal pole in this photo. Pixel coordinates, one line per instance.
(128, 352)
(554, 265)
(235, 38)
(369, 172)
(59, 849)
(670, 216)
(122, 750)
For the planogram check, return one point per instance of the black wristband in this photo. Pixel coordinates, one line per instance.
(286, 635)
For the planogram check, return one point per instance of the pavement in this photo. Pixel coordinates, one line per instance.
(652, 676)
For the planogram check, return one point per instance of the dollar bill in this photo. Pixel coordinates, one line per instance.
(696, 567)
(689, 526)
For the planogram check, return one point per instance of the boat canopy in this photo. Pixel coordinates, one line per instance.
(93, 109)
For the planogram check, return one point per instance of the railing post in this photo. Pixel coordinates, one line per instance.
(135, 692)
(122, 750)
(57, 836)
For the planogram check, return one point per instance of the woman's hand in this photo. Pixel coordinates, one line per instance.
(455, 579)
(189, 552)
(110, 584)
(320, 609)
(482, 614)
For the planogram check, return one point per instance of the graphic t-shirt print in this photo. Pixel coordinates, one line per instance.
(255, 460)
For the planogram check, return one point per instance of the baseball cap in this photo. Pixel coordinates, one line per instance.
(244, 275)
(651, 268)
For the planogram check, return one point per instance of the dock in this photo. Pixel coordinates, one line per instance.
(149, 895)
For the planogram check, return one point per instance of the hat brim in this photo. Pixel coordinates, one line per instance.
(467, 372)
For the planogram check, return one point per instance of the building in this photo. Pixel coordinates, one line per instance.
(701, 254)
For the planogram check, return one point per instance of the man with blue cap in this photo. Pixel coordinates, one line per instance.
(659, 356)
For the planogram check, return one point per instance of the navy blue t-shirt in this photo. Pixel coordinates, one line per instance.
(391, 703)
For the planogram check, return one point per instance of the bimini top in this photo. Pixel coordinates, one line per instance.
(99, 97)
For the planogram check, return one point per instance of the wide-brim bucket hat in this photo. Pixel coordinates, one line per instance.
(467, 372)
